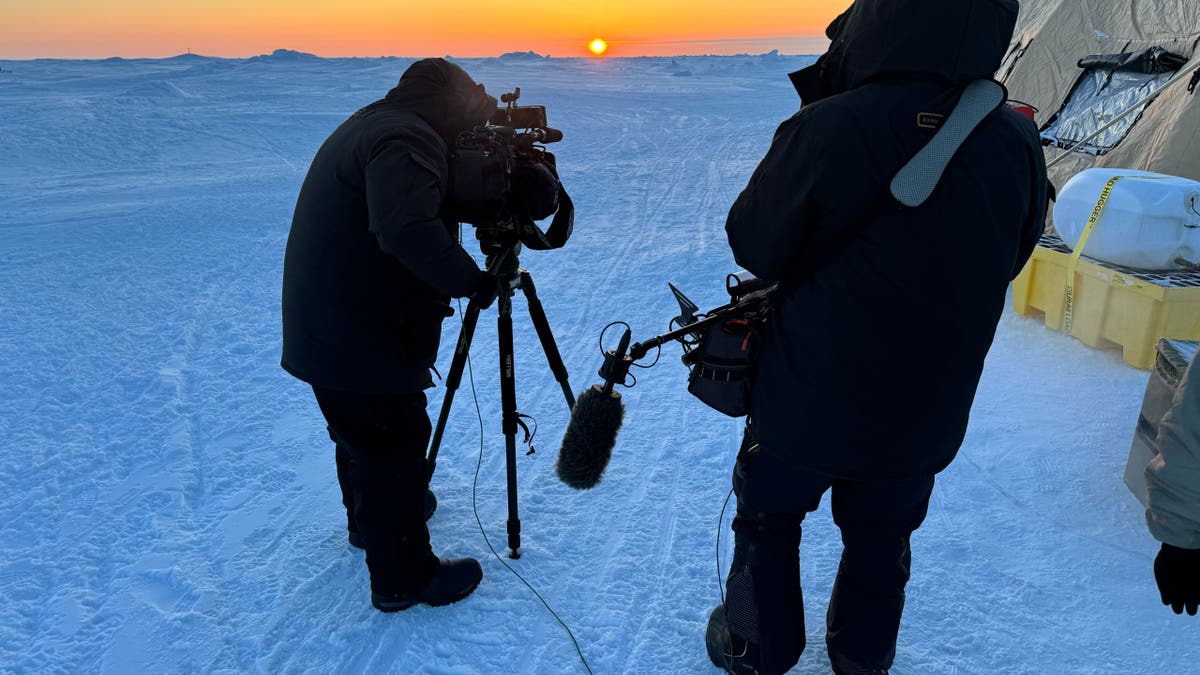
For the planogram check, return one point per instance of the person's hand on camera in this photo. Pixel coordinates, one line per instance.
(486, 290)
(1177, 571)
(535, 190)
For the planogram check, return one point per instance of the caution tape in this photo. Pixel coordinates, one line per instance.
(1073, 263)
(1069, 307)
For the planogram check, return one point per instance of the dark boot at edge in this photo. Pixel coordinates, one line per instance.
(454, 581)
(844, 667)
(740, 658)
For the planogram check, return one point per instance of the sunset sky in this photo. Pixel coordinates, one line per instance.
(147, 28)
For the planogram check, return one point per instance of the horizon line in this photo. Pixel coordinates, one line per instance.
(696, 41)
(448, 57)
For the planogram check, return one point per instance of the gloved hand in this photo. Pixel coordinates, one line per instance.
(1177, 571)
(486, 290)
(535, 190)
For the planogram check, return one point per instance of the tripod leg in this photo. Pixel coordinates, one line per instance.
(453, 380)
(508, 398)
(542, 325)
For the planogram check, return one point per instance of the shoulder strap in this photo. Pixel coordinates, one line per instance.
(560, 229)
(918, 179)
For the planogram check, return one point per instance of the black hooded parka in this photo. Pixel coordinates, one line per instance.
(874, 350)
(371, 263)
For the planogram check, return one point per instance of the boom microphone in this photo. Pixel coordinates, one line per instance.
(598, 413)
(592, 433)
(591, 436)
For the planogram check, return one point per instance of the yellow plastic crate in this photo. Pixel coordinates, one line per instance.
(1114, 306)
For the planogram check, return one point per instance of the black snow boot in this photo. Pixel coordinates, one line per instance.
(727, 651)
(356, 539)
(858, 671)
(454, 580)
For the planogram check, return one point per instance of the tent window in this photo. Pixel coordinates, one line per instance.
(1110, 85)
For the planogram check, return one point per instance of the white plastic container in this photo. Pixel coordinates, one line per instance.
(1151, 219)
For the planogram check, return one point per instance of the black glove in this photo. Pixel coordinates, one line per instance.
(486, 290)
(1177, 571)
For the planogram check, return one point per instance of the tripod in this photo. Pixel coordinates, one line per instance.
(502, 260)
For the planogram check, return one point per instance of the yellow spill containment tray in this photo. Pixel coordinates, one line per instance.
(1114, 306)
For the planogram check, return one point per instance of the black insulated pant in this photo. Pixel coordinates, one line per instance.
(764, 601)
(381, 443)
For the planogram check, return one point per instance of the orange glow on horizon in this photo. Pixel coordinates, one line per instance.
(462, 28)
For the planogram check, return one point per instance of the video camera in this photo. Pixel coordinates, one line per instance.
(502, 179)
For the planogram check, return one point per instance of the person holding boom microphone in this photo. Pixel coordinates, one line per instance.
(370, 266)
(856, 392)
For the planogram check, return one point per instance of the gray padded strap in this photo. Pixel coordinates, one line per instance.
(920, 177)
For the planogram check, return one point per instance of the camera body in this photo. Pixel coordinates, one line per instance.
(502, 178)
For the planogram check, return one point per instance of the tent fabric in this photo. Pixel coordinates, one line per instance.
(1103, 94)
(1043, 68)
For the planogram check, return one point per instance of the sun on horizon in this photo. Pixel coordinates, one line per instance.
(598, 47)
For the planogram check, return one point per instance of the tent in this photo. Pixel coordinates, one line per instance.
(1082, 62)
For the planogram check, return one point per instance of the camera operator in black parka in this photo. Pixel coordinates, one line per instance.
(371, 264)
(876, 342)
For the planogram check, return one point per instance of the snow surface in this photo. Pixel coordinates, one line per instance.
(169, 500)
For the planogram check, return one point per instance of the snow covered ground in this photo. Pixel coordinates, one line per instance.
(168, 495)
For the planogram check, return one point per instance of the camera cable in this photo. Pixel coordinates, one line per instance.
(630, 379)
(479, 521)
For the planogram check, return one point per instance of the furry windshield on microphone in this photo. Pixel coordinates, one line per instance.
(591, 435)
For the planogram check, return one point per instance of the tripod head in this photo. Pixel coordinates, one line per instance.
(502, 249)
